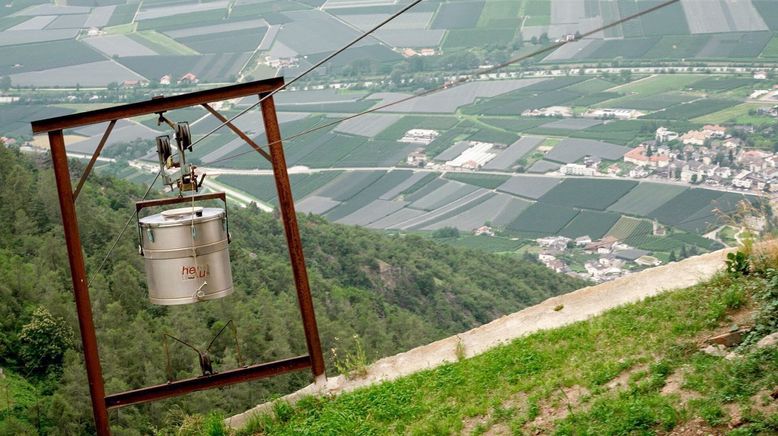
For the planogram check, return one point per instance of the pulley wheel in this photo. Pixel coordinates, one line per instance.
(183, 136)
(163, 148)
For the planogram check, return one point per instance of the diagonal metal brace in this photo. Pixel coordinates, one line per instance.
(92, 161)
(237, 131)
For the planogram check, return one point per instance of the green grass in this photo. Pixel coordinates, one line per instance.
(489, 181)
(539, 12)
(650, 102)
(677, 47)
(461, 38)
(627, 227)
(516, 124)
(123, 14)
(162, 44)
(513, 384)
(489, 244)
(658, 84)
(591, 86)
(771, 50)
(494, 12)
(721, 83)
(690, 111)
(183, 21)
(493, 135)
(736, 114)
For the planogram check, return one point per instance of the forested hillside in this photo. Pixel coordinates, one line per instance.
(393, 292)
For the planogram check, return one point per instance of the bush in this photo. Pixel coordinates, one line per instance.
(446, 232)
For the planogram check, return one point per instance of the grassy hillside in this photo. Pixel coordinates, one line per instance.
(396, 293)
(638, 369)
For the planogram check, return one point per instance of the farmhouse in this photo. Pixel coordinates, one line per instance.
(665, 135)
(551, 111)
(638, 157)
(619, 114)
(419, 136)
(760, 75)
(188, 78)
(694, 137)
(742, 180)
(714, 131)
(417, 158)
(483, 230)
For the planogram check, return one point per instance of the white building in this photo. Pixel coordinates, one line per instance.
(665, 135)
(474, 157)
(419, 136)
(573, 169)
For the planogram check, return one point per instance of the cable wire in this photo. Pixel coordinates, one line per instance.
(124, 229)
(310, 69)
(244, 111)
(448, 85)
(459, 80)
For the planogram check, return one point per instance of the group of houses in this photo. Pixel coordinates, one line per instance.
(610, 258)
(166, 80)
(709, 155)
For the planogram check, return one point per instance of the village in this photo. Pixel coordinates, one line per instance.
(713, 156)
(598, 261)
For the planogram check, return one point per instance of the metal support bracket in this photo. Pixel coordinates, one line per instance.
(237, 131)
(92, 161)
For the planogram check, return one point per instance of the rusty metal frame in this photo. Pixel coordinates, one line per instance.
(54, 128)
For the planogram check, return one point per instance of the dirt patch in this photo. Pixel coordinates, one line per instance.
(517, 401)
(554, 408)
(674, 386)
(621, 381)
(739, 320)
(765, 401)
(470, 424)
(735, 416)
(695, 427)
(499, 429)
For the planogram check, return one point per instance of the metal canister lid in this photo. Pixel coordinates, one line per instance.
(184, 215)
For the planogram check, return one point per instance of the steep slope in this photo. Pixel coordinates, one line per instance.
(393, 293)
(644, 368)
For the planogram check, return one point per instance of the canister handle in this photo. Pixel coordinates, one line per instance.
(176, 200)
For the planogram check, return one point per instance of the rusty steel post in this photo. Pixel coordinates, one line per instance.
(286, 204)
(80, 287)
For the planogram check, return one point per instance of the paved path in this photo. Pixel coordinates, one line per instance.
(576, 306)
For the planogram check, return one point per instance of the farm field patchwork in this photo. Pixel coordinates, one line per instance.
(590, 223)
(627, 227)
(646, 197)
(543, 219)
(458, 15)
(595, 194)
(529, 186)
(573, 150)
(688, 111)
